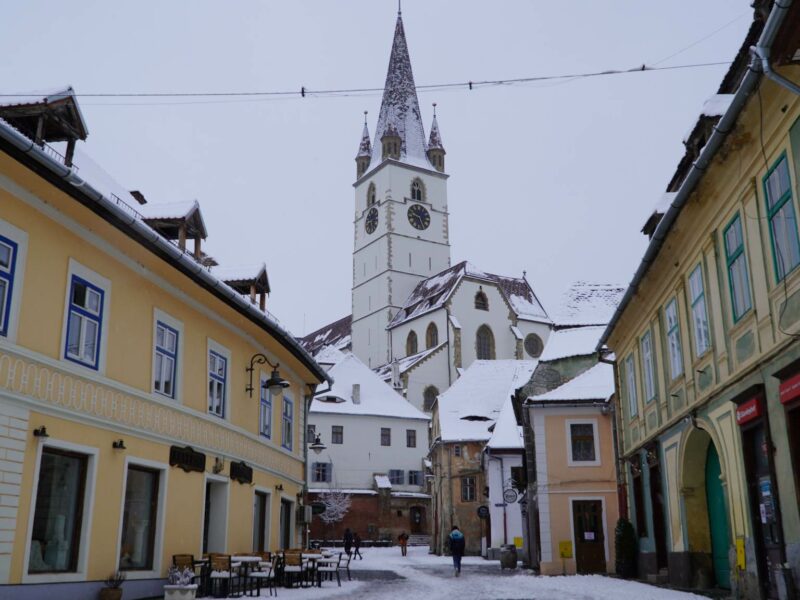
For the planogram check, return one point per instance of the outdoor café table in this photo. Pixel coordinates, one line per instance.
(246, 562)
(312, 564)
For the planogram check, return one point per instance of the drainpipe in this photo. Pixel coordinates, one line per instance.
(622, 488)
(762, 54)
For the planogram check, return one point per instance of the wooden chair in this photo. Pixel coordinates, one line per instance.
(183, 561)
(224, 574)
(326, 568)
(294, 567)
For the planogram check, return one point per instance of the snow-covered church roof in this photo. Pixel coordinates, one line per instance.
(336, 334)
(433, 293)
(373, 397)
(587, 303)
(473, 403)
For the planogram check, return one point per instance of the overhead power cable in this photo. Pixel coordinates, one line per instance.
(306, 92)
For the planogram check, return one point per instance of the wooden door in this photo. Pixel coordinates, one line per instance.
(717, 519)
(590, 553)
(417, 517)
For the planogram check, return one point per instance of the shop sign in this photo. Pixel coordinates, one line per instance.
(510, 495)
(565, 549)
(748, 411)
(789, 389)
(187, 459)
(483, 512)
(241, 472)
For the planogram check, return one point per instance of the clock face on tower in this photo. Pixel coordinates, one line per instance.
(371, 222)
(418, 216)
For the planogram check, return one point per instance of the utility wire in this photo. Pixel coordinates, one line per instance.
(305, 92)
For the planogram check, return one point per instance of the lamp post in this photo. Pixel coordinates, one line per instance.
(317, 446)
(275, 382)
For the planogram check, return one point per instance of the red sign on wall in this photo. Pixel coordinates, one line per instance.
(748, 411)
(790, 389)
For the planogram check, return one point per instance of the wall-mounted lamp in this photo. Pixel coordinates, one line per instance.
(219, 464)
(279, 487)
(691, 419)
(317, 446)
(118, 444)
(41, 432)
(275, 382)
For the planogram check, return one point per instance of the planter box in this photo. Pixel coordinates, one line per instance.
(180, 592)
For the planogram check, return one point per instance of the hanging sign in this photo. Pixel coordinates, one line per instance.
(748, 411)
(510, 495)
(187, 459)
(241, 472)
(789, 389)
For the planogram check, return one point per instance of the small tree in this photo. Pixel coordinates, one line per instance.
(336, 504)
(626, 545)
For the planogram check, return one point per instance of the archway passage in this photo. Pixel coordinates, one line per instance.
(717, 519)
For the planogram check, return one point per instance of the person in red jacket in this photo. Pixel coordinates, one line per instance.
(403, 539)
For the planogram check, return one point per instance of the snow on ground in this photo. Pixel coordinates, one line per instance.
(385, 574)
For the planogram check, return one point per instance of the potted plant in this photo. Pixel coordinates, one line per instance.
(179, 584)
(113, 588)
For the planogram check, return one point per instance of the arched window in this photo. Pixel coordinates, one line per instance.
(429, 397)
(411, 344)
(371, 194)
(481, 301)
(431, 336)
(484, 343)
(417, 191)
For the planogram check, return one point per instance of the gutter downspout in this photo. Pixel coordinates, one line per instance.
(721, 130)
(762, 54)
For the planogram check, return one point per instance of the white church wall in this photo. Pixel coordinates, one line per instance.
(432, 371)
(370, 261)
(541, 329)
(497, 481)
(361, 455)
(371, 338)
(419, 326)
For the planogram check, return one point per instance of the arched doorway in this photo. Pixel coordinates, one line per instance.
(705, 509)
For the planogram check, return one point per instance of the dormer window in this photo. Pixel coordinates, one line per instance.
(417, 191)
(481, 301)
(412, 345)
(371, 194)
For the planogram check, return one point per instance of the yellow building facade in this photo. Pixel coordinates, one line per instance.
(706, 342)
(127, 430)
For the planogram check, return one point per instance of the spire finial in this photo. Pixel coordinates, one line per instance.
(434, 109)
(365, 117)
(399, 7)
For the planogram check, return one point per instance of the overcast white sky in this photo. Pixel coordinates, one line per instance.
(555, 179)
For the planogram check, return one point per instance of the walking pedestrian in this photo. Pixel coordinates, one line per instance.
(348, 541)
(457, 544)
(357, 546)
(403, 539)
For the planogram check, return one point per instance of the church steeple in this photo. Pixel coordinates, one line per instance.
(400, 119)
(364, 150)
(435, 148)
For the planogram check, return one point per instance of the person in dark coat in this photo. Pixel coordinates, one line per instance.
(403, 539)
(357, 546)
(457, 544)
(348, 541)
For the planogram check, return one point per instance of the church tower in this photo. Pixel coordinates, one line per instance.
(401, 231)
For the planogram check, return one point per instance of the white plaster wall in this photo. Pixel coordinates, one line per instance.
(513, 514)
(432, 371)
(370, 338)
(361, 455)
(419, 325)
(541, 329)
(470, 318)
(13, 447)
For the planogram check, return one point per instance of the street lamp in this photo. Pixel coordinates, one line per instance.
(317, 446)
(274, 384)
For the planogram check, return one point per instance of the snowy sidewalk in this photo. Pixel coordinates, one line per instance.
(385, 574)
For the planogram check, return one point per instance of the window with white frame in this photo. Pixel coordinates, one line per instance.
(736, 260)
(166, 360)
(287, 421)
(674, 339)
(415, 478)
(702, 339)
(337, 434)
(321, 472)
(217, 380)
(8, 260)
(396, 476)
(583, 442)
(468, 489)
(646, 344)
(139, 519)
(265, 412)
(782, 218)
(84, 322)
(630, 386)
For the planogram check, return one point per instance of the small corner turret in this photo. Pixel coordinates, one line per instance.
(364, 155)
(435, 150)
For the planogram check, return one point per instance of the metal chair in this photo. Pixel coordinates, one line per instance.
(344, 563)
(223, 571)
(327, 568)
(265, 575)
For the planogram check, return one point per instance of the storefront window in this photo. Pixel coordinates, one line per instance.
(139, 519)
(58, 516)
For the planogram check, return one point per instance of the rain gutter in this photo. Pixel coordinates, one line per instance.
(699, 166)
(161, 245)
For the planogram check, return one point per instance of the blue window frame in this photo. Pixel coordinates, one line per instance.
(702, 336)
(287, 423)
(8, 260)
(166, 360)
(674, 339)
(782, 218)
(648, 370)
(84, 323)
(736, 260)
(630, 387)
(321, 472)
(265, 414)
(217, 378)
(397, 476)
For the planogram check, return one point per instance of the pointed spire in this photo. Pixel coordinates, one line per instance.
(435, 148)
(400, 114)
(364, 147)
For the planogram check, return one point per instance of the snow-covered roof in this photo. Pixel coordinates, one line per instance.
(91, 171)
(336, 334)
(432, 293)
(179, 209)
(364, 147)
(241, 272)
(345, 491)
(473, 403)
(595, 384)
(410, 495)
(64, 99)
(435, 140)
(586, 303)
(45, 96)
(375, 397)
(715, 106)
(329, 355)
(382, 482)
(400, 107)
(406, 363)
(507, 434)
(575, 341)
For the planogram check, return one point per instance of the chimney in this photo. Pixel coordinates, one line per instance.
(396, 375)
(356, 393)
